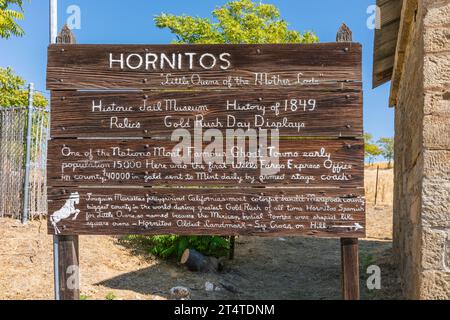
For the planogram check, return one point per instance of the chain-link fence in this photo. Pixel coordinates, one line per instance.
(38, 164)
(13, 128)
(12, 132)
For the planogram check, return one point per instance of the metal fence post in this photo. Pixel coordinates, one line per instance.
(28, 155)
(56, 266)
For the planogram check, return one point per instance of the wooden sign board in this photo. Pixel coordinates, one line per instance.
(263, 212)
(117, 117)
(325, 66)
(150, 114)
(146, 162)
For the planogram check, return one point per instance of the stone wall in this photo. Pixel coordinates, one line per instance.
(435, 218)
(408, 167)
(422, 161)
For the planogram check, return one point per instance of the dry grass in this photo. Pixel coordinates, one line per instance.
(381, 165)
(385, 194)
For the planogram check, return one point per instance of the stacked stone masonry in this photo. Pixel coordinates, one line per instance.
(422, 173)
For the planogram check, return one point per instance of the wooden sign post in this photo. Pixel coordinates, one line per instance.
(67, 246)
(349, 246)
(227, 140)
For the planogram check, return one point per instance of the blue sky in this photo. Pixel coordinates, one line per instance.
(126, 22)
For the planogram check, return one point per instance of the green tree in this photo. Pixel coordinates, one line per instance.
(9, 17)
(371, 150)
(368, 140)
(242, 21)
(13, 91)
(387, 149)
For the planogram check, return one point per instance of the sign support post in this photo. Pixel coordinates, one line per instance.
(67, 248)
(350, 268)
(68, 268)
(349, 246)
(232, 247)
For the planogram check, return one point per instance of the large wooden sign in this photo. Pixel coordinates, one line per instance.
(206, 139)
(309, 67)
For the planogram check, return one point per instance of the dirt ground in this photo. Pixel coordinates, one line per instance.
(264, 268)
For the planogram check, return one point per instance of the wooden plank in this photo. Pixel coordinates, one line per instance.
(384, 54)
(350, 269)
(69, 264)
(385, 42)
(196, 211)
(138, 162)
(389, 10)
(169, 67)
(408, 19)
(133, 114)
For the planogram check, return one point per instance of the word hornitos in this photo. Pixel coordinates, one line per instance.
(175, 61)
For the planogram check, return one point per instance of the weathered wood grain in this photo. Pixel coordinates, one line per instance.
(69, 264)
(303, 162)
(350, 269)
(262, 212)
(66, 248)
(325, 66)
(385, 41)
(133, 114)
(133, 186)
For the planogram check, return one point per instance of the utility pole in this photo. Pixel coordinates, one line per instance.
(53, 20)
(53, 6)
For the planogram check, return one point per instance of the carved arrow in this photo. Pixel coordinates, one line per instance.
(356, 226)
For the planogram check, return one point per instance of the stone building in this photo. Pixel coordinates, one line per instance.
(412, 50)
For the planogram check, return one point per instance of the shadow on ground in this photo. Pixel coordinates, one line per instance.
(270, 268)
